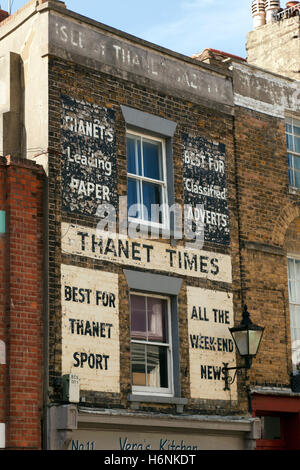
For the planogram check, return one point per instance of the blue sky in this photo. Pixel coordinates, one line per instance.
(184, 26)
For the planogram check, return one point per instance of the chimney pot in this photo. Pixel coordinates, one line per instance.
(272, 6)
(258, 13)
(291, 4)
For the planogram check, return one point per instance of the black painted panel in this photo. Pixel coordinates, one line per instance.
(204, 176)
(89, 161)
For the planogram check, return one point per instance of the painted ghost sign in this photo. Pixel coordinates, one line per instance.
(205, 192)
(90, 327)
(210, 314)
(140, 253)
(89, 163)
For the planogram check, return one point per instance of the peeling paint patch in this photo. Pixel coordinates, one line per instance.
(259, 106)
(264, 92)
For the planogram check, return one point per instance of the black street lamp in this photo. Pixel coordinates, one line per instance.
(247, 338)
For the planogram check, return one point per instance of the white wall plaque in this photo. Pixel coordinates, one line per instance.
(210, 314)
(90, 328)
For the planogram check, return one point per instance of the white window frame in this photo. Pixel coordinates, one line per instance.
(163, 183)
(292, 257)
(154, 391)
(292, 122)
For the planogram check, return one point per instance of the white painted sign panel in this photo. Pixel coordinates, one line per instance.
(90, 328)
(210, 314)
(146, 254)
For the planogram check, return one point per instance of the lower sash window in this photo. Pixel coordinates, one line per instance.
(151, 344)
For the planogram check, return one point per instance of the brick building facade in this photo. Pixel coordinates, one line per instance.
(133, 329)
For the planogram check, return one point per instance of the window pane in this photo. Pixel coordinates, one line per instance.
(291, 178)
(297, 281)
(295, 339)
(293, 311)
(297, 130)
(157, 366)
(297, 163)
(152, 194)
(134, 198)
(291, 276)
(292, 291)
(290, 160)
(295, 318)
(291, 268)
(297, 179)
(297, 269)
(157, 313)
(152, 159)
(131, 157)
(289, 141)
(138, 361)
(138, 317)
(297, 144)
(288, 128)
(134, 155)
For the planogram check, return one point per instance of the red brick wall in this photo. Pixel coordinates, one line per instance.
(21, 302)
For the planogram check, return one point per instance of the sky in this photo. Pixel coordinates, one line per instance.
(184, 26)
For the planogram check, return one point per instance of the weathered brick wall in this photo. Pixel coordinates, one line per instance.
(267, 209)
(104, 90)
(21, 302)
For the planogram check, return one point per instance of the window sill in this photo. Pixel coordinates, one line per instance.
(137, 399)
(294, 190)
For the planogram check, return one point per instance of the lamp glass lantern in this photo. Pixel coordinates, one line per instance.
(247, 338)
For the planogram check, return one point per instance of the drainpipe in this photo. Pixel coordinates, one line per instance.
(45, 312)
(2, 338)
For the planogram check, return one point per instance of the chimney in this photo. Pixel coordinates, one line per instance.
(258, 13)
(3, 15)
(272, 6)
